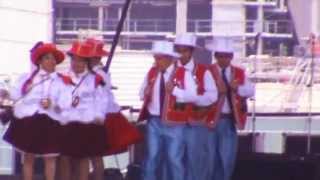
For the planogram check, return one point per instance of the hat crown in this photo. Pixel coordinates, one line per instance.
(81, 49)
(97, 47)
(164, 47)
(186, 39)
(223, 44)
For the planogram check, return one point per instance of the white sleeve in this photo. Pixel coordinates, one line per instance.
(101, 102)
(210, 94)
(112, 105)
(15, 91)
(107, 79)
(247, 89)
(189, 93)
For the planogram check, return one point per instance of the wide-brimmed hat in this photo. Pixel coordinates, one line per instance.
(81, 49)
(186, 40)
(98, 50)
(40, 49)
(222, 45)
(164, 48)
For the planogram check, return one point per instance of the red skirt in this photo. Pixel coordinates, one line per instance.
(120, 133)
(37, 134)
(83, 140)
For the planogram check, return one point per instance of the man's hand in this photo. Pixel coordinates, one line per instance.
(222, 89)
(169, 86)
(234, 85)
(147, 91)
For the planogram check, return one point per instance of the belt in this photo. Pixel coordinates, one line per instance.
(154, 116)
(226, 115)
(201, 108)
(180, 106)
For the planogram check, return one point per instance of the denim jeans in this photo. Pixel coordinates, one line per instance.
(196, 138)
(169, 139)
(222, 147)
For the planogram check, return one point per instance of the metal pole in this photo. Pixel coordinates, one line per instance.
(117, 35)
(257, 41)
(54, 22)
(312, 39)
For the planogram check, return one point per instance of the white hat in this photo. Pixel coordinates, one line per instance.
(186, 40)
(165, 48)
(222, 45)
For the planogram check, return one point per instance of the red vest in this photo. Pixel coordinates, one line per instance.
(238, 102)
(173, 112)
(199, 114)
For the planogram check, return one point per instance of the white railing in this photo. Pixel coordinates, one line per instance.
(168, 25)
(199, 25)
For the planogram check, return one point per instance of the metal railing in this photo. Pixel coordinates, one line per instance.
(74, 24)
(168, 25)
(278, 27)
(150, 25)
(199, 25)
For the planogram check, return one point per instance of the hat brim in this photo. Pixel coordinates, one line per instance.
(223, 52)
(173, 54)
(71, 53)
(102, 53)
(188, 45)
(58, 55)
(211, 48)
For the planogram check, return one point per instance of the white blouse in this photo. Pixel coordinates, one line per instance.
(43, 86)
(92, 105)
(113, 106)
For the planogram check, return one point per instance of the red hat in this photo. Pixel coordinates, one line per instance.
(98, 50)
(81, 49)
(40, 49)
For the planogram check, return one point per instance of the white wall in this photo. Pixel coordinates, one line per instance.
(23, 22)
(302, 17)
(228, 19)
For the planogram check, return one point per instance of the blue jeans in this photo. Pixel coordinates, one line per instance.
(222, 147)
(196, 138)
(169, 139)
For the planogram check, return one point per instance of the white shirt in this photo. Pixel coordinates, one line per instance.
(188, 94)
(210, 94)
(43, 85)
(245, 90)
(113, 106)
(92, 104)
